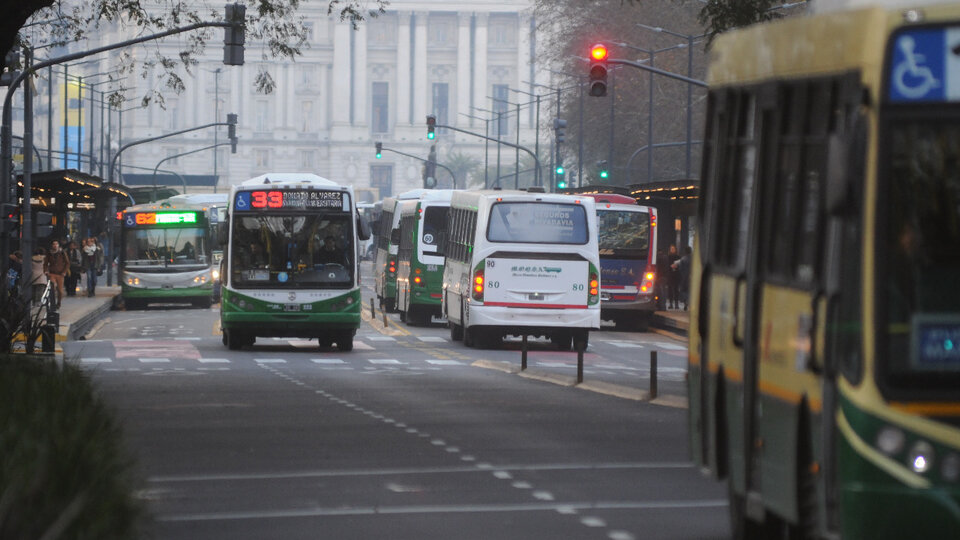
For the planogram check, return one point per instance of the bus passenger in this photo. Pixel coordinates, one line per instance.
(330, 253)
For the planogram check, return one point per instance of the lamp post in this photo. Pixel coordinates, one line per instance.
(536, 126)
(499, 121)
(689, 46)
(516, 177)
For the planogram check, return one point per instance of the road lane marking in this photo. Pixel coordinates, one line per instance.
(154, 360)
(96, 360)
(566, 508)
(432, 339)
(327, 361)
(445, 362)
(270, 360)
(381, 338)
(213, 360)
(384, 361)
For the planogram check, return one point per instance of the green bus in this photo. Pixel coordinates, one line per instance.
(291, 263)
(423, 226)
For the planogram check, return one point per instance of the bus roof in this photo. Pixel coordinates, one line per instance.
(206, 199)
(289, 178)
(473, 196)
(612, 198)
(803, 46)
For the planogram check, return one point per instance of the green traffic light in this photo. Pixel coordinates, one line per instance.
(560, 170)
(603, 174)
(431, 135)
(561, 185)
(379, 155)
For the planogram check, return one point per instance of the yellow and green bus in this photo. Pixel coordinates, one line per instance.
(824, 374)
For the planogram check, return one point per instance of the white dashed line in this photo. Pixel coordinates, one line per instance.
(327, 361)
(155, 360)
(502, 475)
(270, 360)
(543, 495)
(213, 360)
(522, 485)
(593, 522)
(96, 360)
(445, 362)
(384, 361)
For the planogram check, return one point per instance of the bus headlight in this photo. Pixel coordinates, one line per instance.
(200, 279)
(921, 457)
(133, 281)
(216, 274)
(890, 440)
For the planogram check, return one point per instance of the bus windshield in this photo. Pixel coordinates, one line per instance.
(922, 299)
(312, 251)
(623, 233)
(538, 223)
(434, 222)
(169, 247)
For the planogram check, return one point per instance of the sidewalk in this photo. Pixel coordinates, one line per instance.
(78, 313)
(673, 323)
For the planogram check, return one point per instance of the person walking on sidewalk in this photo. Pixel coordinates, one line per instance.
(57, 267)
(76, 268)
(38, 279)
(92, 261)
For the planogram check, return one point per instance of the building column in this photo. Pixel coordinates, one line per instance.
(463, 70)
(290, 105)
(480, 89)
(420, 89)
(341, 74)
(322, 102)
(403, 69)
(524, 61)
(360, 91)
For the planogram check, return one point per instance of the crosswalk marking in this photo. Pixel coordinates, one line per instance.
(444, 362)
(360, 346)
(270, 360)
(381, 338)
(96, 360)
(625, 345)
(432, 339)
(213, 360)
(382, 361)
(326, 361)
(154, 360)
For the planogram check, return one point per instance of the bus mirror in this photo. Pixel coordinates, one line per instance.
(363, 228)
(395, 236)
(845, 160)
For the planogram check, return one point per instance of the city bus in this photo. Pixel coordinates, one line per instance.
(520, 263)
(215, 205)
(291, 264)
(387, 240)
(628, 258)
(423, 226)
(165, 254)
(824, 372)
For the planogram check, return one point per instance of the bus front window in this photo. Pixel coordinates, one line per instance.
(166, 247)
(310, 251)
(624, 234)
(920, 296)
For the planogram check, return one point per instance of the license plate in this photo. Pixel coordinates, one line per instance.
(535, 296)
(604, 296)
(291, 307)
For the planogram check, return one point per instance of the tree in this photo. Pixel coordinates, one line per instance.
(463, 166)
(273, 22)
(718, 16)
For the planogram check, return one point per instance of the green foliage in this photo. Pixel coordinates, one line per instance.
(718, 16)
(17, 316)
(63, 470)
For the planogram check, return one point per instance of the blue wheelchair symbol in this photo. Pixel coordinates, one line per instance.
(918, 67)
(243, 201)
(130, 221)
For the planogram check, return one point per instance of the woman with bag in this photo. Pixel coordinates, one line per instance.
(76, 268)
(92, 261)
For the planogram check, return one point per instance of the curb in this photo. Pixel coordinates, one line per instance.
(69, 330)
(598, 387)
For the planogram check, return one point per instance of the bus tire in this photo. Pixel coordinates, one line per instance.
(741, 526)
(403, 316)
(233, 341)
(456, 332)
(345, 342)
(469, 336)
(132, 304)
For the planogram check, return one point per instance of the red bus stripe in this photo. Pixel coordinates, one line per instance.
(542, 306)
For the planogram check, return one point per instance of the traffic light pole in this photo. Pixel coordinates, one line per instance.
(444, 167)
(536, 159)
(181, 154)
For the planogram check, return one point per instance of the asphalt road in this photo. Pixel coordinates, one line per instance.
(405, 437)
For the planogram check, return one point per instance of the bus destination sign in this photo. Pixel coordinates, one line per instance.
(140, 219)
(290, 199)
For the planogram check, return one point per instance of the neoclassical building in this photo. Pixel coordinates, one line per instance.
(461, 61)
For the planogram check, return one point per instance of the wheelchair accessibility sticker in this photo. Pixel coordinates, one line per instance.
(243, 201)
(926, 66)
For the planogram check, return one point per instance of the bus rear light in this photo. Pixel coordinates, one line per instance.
(478, 285)
(392, 266)
(648, 280)
(594, 282)
(417, 280)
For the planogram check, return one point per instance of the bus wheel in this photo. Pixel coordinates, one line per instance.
(403, 316)
(132, 304)
(469, 336)
(233, 341)
(743, 528)
(456, 332)
(345, 342)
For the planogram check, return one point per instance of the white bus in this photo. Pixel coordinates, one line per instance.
(291, 264)
(420, 259)
(521, 263)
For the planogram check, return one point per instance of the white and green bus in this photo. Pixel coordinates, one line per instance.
(291, 264)
(387, 243)
(166, 254)
(420, 259)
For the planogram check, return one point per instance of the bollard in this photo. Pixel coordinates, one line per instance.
(653, 374)
(523, 354)
(384, 317)
(580, 347)
(373, 310)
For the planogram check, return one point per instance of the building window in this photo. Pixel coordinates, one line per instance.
(306, 160)
(441, 103)
(380, 102)
(441, 31)
(170, 152)
(382, 31)
(172, 113)
(306, 117)
(308, 31)
(308, 78)
(381, 178)
(501, 94)
(503, 32)
(261, 158)
(263, 116)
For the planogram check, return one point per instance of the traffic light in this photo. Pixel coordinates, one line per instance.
(602, 166)
(10, 213)
(234, 36)
(431, 126)
(598, 70)
(561, 176)
(10, 64)
(43, 224)
(379, 150)
(232, 131)
(559, 129)
(430, 169)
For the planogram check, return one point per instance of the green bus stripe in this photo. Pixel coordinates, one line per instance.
(874, 456)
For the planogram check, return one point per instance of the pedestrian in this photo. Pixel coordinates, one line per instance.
(57, 267)
(673, 279)
(76, 268)
(663, 273)
(683, 273)
(39, 278)
(14, 270)
(92, 263)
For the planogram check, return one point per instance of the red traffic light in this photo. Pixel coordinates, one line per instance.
(599, 52)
